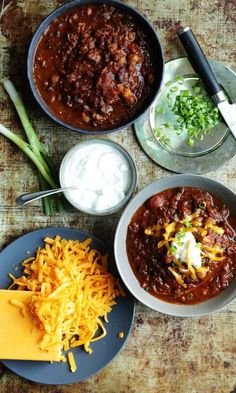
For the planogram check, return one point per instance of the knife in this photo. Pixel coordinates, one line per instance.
(203, 69)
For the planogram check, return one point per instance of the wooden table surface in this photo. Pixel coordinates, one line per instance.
(163, 353)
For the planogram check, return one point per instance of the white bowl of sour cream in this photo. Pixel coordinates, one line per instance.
(104, 173)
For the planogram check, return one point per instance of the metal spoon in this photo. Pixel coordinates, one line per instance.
(33, 196)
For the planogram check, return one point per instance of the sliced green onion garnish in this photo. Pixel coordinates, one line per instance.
(187, 224)
(179, 235)
(202, 205)
(172, 249)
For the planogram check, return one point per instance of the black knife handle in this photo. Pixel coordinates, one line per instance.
(199, 61)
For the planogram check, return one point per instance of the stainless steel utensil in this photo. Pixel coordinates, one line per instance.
(33, 196)
(203, 69)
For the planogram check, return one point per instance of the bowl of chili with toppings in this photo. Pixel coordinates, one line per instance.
(175, 245)
(95, 67)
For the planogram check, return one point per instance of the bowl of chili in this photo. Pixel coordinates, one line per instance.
(175, 245)
(95, 67)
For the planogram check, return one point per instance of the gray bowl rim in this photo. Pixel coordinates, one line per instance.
(122, 263)
(133, 180)
(45, 24)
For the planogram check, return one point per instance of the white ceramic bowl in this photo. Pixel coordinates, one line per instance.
(126, 273)
(66, 177)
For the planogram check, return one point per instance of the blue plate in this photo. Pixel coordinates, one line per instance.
(104, 350)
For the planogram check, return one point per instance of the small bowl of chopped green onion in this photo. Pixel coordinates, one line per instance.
(185, 120)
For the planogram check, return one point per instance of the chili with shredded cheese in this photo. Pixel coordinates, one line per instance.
(157, 227)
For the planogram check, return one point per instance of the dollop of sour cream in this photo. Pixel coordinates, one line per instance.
(180, 249)
(101, 172)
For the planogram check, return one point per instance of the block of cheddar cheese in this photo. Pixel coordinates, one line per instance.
(20, 336)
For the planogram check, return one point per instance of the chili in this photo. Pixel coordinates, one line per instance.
(94, 67)
(151, 263)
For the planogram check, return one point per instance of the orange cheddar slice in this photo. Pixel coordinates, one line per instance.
(20, 335)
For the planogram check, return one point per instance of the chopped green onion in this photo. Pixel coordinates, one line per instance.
(174, 88)
(167, 124)
(195, 112)
(196, 89)
(202, 205)
(190, 141)
(173, 249)
(179, 132)
(180, 80)
(159, 109)
(187, 224)
(179, 235)
(176, 127)
(164, 139)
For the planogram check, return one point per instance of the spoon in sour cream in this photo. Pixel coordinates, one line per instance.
(33, 196)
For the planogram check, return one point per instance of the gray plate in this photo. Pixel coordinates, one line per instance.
(225, 147)
(104, 350)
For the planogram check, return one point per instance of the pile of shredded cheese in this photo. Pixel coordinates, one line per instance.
(73, 291)
(191, 224)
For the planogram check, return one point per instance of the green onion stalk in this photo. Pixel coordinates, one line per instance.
(47, 201)
(34, 149)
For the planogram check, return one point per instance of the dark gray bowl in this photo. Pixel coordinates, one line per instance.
(152, 38)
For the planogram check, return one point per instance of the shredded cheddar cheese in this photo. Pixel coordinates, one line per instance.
(178, 277)
(168, 229)
(189, 265)
(203, 232)
(154, 230)
(20, 305)
(71, 360)
(72, 292)
(174, 235)
(215, 228)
